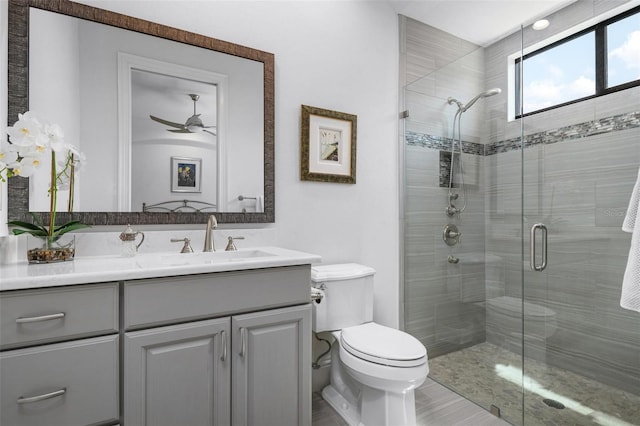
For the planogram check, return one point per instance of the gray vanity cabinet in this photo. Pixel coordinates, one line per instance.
(250, 369)
(230, 348)
(73, 379)
(177, 375)
(271, 376)
(223, 348)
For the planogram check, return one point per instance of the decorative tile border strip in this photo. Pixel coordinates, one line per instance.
(577, 131)
(443, 144)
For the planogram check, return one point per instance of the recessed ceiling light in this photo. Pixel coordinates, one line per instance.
(540, 25)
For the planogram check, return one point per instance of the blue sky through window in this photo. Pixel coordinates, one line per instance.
(567, 71)
(560, 74)
(623, 50)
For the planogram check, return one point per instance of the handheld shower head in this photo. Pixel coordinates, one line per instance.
(486, 94)
(454, 101)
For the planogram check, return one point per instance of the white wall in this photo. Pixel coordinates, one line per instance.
(4, 35)
(338, 55)
(152, 184)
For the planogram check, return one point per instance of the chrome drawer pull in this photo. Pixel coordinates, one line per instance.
(40, 318)
(42, 397)
(223, 337)
(243, 342)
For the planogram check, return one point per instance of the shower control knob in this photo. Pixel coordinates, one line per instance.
(451, 210)
(451, 235)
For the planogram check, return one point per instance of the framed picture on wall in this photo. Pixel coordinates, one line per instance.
(327, 145)
(186, 174)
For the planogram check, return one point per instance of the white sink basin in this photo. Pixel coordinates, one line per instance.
(215, 257)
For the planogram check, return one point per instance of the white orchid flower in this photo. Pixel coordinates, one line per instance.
(26, 133)
(73, 150)
(55, 137)
(79, 160)
(8, 156)
(31, 160)
(29, 140)
(25, 167)
(62, 182)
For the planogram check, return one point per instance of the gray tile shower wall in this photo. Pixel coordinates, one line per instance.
(442, 301)
(579, 187)
(580, 164)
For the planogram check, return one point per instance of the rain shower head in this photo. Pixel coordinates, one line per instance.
(486, 94)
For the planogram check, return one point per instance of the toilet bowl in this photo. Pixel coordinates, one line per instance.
(374, 368)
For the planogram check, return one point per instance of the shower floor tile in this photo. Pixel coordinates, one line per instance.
(488, 374)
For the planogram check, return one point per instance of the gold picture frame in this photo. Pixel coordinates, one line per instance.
(327, 145)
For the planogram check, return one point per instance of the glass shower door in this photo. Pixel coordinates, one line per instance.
(581, 349)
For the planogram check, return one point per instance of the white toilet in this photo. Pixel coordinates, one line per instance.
(374, 369)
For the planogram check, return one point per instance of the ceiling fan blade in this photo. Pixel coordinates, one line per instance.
(167, 123)
(210, 132)
(179, 131)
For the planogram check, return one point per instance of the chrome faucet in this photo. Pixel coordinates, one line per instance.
(212, 224)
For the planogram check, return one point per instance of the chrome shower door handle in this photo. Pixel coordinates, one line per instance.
(533, 250)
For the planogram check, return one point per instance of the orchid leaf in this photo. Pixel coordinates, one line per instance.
(37, 220)
(68, 227)
(35, 233)
(27, 226)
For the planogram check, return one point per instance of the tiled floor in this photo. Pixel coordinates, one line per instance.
(435, 406)
(473, 372)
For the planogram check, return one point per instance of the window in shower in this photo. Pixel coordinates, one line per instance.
(598, 60)
(623, 51)
(560, 74)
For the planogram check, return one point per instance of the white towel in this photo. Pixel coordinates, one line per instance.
(630, 298)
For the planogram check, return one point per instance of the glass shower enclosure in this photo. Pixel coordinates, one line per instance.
(520, 308)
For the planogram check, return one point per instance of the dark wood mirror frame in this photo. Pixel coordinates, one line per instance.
(18, 97)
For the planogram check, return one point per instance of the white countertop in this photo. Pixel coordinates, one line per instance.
(90, 269)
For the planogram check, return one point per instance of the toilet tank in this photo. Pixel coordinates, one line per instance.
(348, 296)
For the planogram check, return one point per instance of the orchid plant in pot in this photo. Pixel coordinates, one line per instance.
(33, 142)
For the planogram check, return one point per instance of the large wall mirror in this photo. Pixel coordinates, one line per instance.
(126, 92)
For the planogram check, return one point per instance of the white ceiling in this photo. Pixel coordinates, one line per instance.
(479, 21)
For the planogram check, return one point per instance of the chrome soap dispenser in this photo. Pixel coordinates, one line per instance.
(128, 238)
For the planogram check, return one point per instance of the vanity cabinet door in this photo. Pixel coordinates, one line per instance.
(178, 375)
(271, 383)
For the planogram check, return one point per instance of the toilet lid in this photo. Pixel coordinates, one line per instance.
(383, 345)
(342, 271)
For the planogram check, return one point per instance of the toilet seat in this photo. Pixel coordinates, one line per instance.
(383, 345)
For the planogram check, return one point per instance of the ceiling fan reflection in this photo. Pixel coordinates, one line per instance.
(192, 125)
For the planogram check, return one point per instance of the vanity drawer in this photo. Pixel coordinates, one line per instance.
(39, 316)
(169, 300)
(72, 383)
